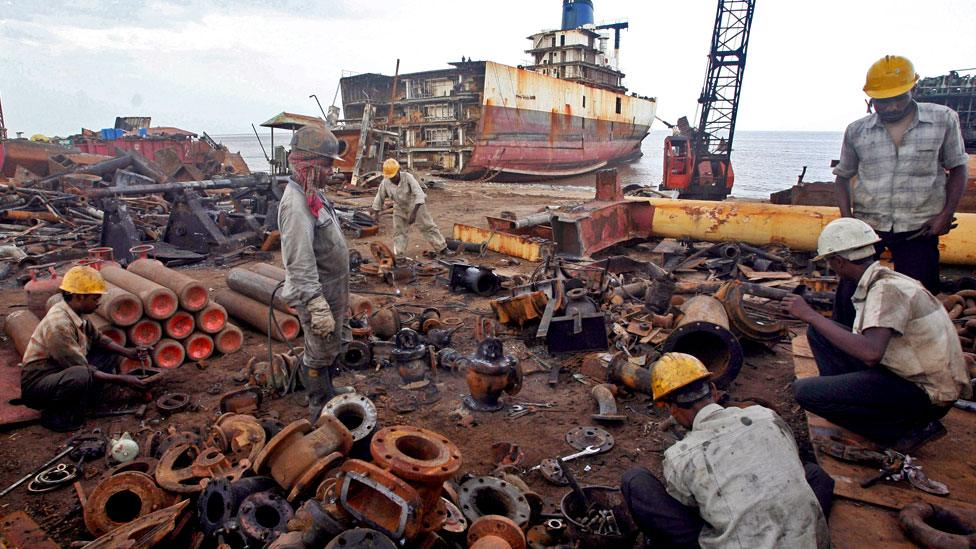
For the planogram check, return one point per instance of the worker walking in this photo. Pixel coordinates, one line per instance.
(316, 260)
(409, 207)
(900, 369)
(901, 154)
(67, 360)
(735, 480)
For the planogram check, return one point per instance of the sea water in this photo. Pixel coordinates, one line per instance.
(764, 162)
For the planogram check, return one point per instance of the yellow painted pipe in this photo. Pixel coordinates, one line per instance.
(759, 223)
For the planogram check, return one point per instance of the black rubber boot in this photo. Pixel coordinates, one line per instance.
(321, 391)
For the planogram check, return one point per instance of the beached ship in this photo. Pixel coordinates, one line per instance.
(565, 114)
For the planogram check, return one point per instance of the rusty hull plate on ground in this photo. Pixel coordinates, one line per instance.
(19, 531)
(509, 244)
(868, 516)
(12, 414)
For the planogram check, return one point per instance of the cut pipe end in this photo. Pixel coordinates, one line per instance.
(180, 325)
(289, 328)
(168, 354)
(115, 334)
(194, 297)
(229, 340)
(213, 319)
(199, 346)
(125, 310)
(145, 333)
(162, 305)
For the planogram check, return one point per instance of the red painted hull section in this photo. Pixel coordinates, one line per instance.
(524, 142)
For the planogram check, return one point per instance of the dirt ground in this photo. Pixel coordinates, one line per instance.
(766, 375)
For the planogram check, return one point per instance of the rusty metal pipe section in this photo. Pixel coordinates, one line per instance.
(192, 294)
(179, 326)
(300, 455)
(258, 287)
(732, 295)
(490, 373)
(255, 314)
(411, 356)
(703, 332)
(220, 501)
(264, 516)
(488, 496)
(356, 412)
(105, 327)
(622, 372)
(168, 353)
(122, 307)
(212, 319)
(238, 436)
(229, 340)
(158, 302)
(198, 346)
(376, 497)
(145, 333)
(603, 394)
(270, 271)
(121, 499)
(19, 327)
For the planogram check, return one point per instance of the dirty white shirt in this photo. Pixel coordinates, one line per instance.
(741, 469)
(899, 188)
(925, 348)
(405, 196)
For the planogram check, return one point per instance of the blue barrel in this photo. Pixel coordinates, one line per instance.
(577, 13)
(107, 134)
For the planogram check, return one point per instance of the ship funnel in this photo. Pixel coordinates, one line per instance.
(577, 13)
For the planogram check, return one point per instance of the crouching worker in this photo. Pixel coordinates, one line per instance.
(898, 372)
(735, 480)
(68, 361)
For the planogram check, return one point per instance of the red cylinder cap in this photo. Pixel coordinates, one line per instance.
(168, 354)
(213, 320)
(161, 305)
(195, 298)
(125, 311)
(229, 341)
(290, 328)
(180, 325)
(146, 333)
(199, 347)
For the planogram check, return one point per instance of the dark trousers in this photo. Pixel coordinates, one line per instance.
(666, 522)
(917, 258)
(871, 401)
(71, 389)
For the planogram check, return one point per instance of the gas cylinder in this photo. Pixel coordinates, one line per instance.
(40, 289)
(105, 256)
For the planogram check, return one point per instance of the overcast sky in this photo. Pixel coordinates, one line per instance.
(218, 66)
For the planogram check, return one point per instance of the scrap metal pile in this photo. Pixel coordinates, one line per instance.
(961, 306)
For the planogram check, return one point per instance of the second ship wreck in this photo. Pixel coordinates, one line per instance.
(566, 114)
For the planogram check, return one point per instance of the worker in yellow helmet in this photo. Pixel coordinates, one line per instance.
(734, 480)
(67, 360)
(910, 162)
(409, 207)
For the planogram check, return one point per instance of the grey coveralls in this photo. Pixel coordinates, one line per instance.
(316, 263)
(405, 196)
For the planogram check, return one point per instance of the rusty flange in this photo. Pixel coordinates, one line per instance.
(361, 538)
(376, 497)
(220, 501)
(356, 412)
(212, 463)
(481, 496)
(502, 528)
(264, 516)
(170, 403)
(146, 531)
(175, 471)
(584, 437)
(239, 436)
(120, 499)
(300, 455)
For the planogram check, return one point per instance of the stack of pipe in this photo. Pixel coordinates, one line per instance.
(251, 294)
(149, 305)
(961, 307)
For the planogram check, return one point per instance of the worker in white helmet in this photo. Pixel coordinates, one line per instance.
(900, 369)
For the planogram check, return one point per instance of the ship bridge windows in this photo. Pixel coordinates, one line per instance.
(439, 112)
(437, 136)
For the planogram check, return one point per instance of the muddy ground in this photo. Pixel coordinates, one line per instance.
(766, 375)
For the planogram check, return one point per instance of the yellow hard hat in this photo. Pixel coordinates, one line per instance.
(82, 279)
(390, 167)
(40, 138)
(890, 76)
(674, 371)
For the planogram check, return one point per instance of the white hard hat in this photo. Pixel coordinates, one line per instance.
(850, 238)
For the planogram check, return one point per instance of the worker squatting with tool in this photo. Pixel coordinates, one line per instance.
(67, 361)
(735, 480)
(409, 207)
(900, 369)
(313, 250)
(901, 155)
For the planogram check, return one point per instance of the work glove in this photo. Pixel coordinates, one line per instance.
(322, 322)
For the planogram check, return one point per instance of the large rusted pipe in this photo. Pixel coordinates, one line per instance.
(229, 340)
(191, 293)
(120, 306)
(106, 328)
(145, 333)
(212, 318)
(199, 346)
(19, 327)
(158, 302)
(703, 332)
(258, 287)
(622, 372)
(168, 353)
(255, 314)
(270, 271)
(179, 326)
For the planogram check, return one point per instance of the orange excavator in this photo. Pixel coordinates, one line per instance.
(697, 160)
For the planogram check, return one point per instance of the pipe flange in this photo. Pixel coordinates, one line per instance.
(182, 479)
(583, 437)
(416, 454)
(294, 457)
(497, 526)
(455, 524)
(361, 538)
(356, 412)
(378, 498)
(120, 499)
(482, 496)
(263, 517)
(220, 500)
(357, 356)
(212, 463)
(158, 444)
(171, 403)
(239, 436)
